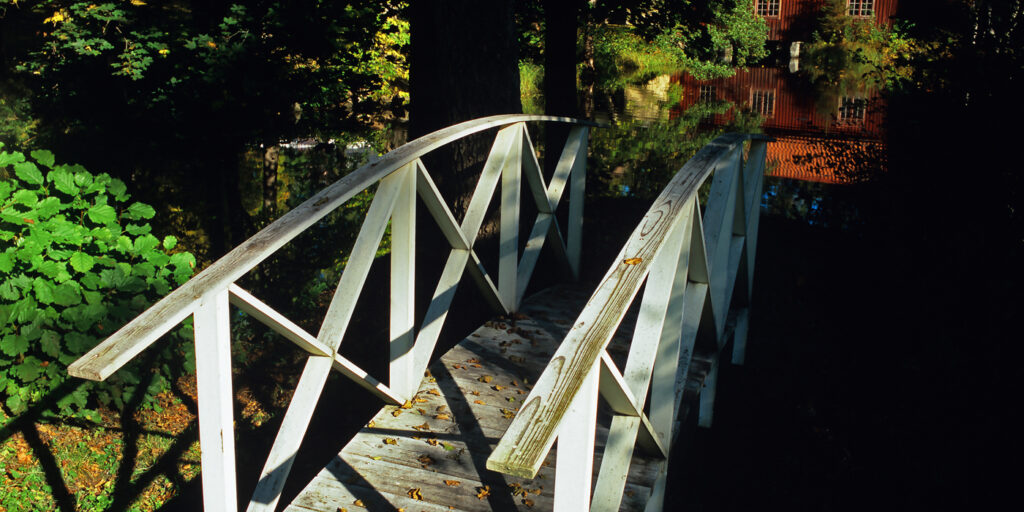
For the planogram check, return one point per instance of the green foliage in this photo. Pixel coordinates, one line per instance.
(849, 54)
(531, 78)
(78, 261)
(637, 157)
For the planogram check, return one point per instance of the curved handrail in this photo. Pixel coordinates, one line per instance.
(526, 443)
(145, 329)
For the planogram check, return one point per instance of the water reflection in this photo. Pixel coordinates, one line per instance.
(825, 141)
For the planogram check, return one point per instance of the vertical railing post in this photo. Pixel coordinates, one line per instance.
(508, 256)
(213, 380)
(403, 376)
(574, 465)
(577, 184)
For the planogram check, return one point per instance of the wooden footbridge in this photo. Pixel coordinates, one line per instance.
(477, 428)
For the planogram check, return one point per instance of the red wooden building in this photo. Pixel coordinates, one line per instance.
(794, 20)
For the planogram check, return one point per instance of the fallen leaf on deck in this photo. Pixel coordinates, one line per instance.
(415, 494)
(632, 261)
(370, 424)
(359, 503)
(497, 388)
(376, 457)
(479, 402)
(407, 405)
(434, 392)
(472, 360)
(423, 427)
(442, 417)
(528, 502)
(432, 442)
(396, 413)
(425, 460)
(390, 440)
(483, 492)
(420, 400)
(485, 378)
(452, 483)
(474, 393)
(507, 413)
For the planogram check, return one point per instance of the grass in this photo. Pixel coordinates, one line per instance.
(135, 463)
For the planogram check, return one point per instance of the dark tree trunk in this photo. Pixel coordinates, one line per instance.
(559, 72)
(271, 151)
(463, 65)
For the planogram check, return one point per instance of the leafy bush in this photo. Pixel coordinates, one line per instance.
(78, 261)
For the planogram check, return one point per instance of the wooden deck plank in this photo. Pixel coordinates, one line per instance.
(462, 408)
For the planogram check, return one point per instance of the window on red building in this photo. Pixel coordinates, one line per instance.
(763, 102)
(767, 8)
(861, 8)
(852, 109)
(707, 93)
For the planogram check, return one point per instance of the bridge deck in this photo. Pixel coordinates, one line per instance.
(431, 456)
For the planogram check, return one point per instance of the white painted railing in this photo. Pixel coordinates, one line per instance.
(402, 178)
(695, 271)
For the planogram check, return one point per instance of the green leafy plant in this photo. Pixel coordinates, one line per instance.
(78, 260)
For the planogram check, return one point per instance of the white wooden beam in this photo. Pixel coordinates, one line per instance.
(508, 235)
(402, 367)
(574, 465)
(278, 323)
(213, 382)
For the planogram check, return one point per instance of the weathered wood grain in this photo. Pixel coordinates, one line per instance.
(532, 433)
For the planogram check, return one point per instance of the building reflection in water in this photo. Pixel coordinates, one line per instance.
(821, 137)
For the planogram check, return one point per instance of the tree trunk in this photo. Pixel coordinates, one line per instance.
(271, 152)
(463, 65)
(559, 73)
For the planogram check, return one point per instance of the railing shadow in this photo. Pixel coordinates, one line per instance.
(126, 489)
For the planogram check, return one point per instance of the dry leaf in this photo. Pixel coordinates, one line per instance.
(442, 417)
(370, 424)
(498, 388)
(359, 503)
(528, 502)
(441, 408)
(396, 413)
(485, 378)
(376, 457)
(632, 261)
(420, 400)
(423, 427)
(407, 405)
(507, 414)
(479, 402)
(452, 483)
(415, 494)
(514, 384)
(472, 360)
(432, 442)
(474, 393)
(474, 365)
(483, 492)
(426, 460)
(390, 440)
(510, 398)
(434, 392)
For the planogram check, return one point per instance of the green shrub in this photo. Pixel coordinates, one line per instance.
(78, 261)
